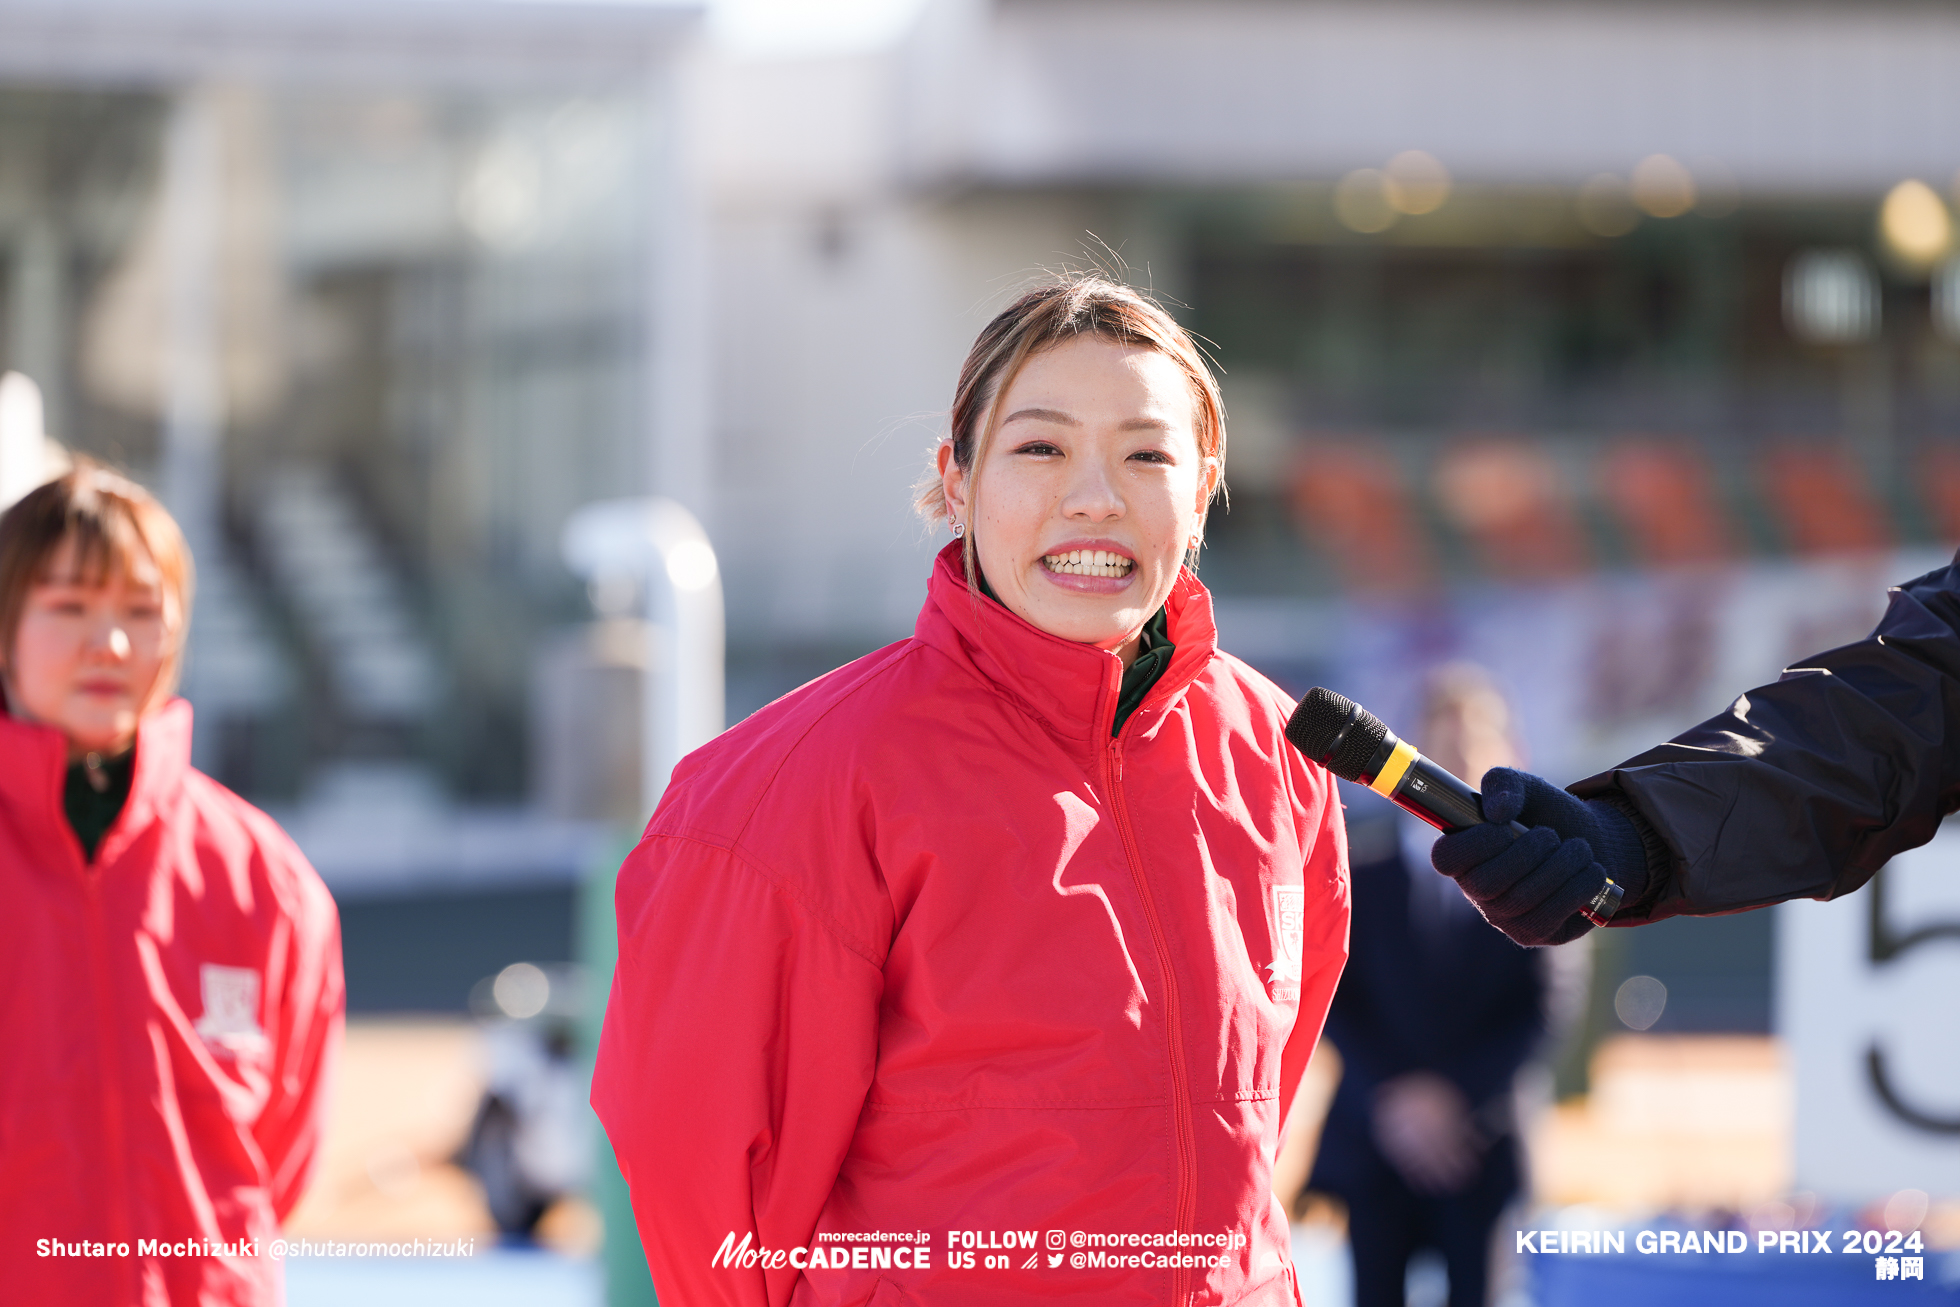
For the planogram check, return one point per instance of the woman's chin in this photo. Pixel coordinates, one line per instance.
(1105, 626)
(1105, 611)
(93, 734)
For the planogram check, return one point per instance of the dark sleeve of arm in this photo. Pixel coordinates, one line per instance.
(1804, 788)
(739, 1044)
(1493, 1061)
(1368, 1040)
(1368, 1022)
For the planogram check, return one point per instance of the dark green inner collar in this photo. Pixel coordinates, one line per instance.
(92, 811)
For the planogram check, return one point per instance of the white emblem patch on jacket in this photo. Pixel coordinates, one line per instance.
(1289, 939)
(231, 1008)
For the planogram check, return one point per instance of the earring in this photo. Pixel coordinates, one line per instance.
(959, 528)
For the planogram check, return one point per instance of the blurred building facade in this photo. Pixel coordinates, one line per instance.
(374, 295)
(1553, 302)
(1513, 292)
(1501, 291)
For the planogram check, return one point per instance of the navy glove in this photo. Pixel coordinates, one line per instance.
(1531, 887)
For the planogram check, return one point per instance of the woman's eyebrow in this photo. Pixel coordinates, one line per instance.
(1060, 418)
(1042, 415)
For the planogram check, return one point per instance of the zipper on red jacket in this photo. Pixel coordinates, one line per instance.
(105, 1042)
(1186, 1208)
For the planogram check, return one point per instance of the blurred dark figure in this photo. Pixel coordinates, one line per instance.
(1436, 1014)
(530, 1144)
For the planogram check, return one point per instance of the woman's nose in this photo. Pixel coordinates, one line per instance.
(112, 640)
(1092, 494)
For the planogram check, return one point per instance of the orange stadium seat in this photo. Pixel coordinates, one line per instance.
(1939, 469)
(1822, 500)
(1351, 501)
(1661, 493)
(1510, 499)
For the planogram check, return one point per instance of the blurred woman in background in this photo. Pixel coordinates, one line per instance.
(1027, 923)
(170, 985)
(1436, 1016)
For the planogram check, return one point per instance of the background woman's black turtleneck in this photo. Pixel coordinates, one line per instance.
(1154, 651)
(91, 811)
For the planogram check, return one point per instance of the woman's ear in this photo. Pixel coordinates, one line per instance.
(1208, 476)
(952, 482)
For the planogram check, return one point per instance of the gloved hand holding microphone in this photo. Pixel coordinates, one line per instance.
(1536, 887)
(1542, 866)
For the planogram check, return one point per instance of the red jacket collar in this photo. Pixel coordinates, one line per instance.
(1072, 687)
(34, 765)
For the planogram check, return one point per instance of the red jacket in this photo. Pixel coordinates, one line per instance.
(920, 949)
(168, 1014)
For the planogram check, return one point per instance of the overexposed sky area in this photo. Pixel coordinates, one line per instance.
(788, 28)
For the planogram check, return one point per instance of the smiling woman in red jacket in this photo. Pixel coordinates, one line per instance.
(983, 970)
(170, 985)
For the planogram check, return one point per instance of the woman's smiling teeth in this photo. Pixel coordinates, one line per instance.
(1089, 562)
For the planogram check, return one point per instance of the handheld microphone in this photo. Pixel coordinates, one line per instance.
(1357, 746)
(1348, 740)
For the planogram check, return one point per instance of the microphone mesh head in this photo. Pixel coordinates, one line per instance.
(1316, 730)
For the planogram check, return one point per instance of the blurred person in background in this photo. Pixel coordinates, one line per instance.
(530, 1143)
(1435, 1016)
(170, 984)
(1803, 788)
(1028, 921)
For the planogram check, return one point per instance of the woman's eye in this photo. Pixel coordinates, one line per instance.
(1040, 447)
(1152, 456)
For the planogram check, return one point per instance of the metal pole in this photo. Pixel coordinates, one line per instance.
(23, 444)
(677, 371)
(661, 547)
(37, 316)
(193, 417)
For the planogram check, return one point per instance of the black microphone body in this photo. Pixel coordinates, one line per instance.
(1356, 745)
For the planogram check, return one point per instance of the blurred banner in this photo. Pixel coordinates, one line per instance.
(1864, 994)
(1600, 668)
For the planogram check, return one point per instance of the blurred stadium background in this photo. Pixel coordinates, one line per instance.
(1615, 345)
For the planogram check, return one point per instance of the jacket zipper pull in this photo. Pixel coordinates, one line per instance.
(1116, 758)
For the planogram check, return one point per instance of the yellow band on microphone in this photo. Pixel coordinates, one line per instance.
(1394, 769)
